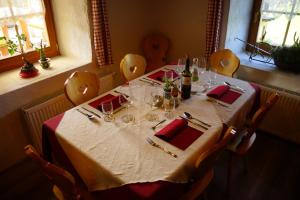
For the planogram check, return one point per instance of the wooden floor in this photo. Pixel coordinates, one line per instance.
(273, 173)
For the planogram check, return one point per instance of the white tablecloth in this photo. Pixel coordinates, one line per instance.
(111, 154)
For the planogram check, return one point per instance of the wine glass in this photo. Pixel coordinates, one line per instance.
(126, 102)
(107, 109)
(169, 106)
(180, 65)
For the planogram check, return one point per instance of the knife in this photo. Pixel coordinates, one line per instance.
(194, 123)
(91, 112)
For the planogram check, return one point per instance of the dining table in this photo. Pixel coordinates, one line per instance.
(134, 159)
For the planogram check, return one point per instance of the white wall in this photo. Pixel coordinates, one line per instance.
(238, 24)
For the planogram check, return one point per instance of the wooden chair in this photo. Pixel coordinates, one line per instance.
(155, 48)
(204, 166)
(81, 86)
(64, 183)
(132, 66)
(245, 139)
(225, 62)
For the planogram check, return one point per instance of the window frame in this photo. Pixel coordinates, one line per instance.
(254, 26)
(33, 56)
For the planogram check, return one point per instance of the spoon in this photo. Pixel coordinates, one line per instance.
(189, 116)
(90, 117)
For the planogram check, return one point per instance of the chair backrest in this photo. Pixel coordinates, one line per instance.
(61, 178)
(81, 86)
(261, 112)
(155, 48)
(132, 66)
(204, 165)
(225, 62)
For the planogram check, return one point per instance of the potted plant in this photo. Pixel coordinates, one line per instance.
(27, 70)
(44, 61)
(288, 58)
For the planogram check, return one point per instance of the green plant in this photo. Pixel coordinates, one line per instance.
(168, 85)
(41, 51)
(288, 58)
(12, 46)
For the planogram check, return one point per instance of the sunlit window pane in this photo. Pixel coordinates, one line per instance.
(277, 5)
(275, 29)
(294, 27)
(24, 7)
(28, 15)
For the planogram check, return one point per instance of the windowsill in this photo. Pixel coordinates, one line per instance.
(11, 80)
(268, 75)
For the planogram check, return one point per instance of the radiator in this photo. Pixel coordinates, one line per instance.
(35, 115)
(283, 119)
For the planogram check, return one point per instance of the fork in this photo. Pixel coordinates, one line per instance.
(151, 142)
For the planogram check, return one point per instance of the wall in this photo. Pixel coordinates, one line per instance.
(183, 22)
(238, 24)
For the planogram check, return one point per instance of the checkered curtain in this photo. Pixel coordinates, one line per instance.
(101, 33)
(213, 26)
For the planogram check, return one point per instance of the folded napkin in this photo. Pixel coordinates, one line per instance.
(109, 97)
(159, 75)
(179, 134)
(223, 93)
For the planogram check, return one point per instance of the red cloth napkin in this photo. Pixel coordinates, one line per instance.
(109, 97)
(159, 75)
(223, 93)
(179, 134)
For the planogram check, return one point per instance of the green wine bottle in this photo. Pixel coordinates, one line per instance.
(186, 80)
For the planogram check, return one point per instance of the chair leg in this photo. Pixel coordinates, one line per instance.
(245, 162)
(229, 172)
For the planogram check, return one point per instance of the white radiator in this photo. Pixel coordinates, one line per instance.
(37, 114)
(283, 119)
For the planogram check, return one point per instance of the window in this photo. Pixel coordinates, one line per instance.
(32, 18)
(275, 21)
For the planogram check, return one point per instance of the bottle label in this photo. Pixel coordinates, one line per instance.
(186, 80)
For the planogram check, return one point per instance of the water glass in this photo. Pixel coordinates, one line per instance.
(168, 76)
(169, 106)
(107, 109)
(152, 98)
(126, 102)
(202, 64)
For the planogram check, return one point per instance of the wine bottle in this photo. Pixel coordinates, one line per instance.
(186, 80)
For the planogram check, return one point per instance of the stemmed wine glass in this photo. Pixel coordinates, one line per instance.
(107, 109)
(180, 65)
(126, 101)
